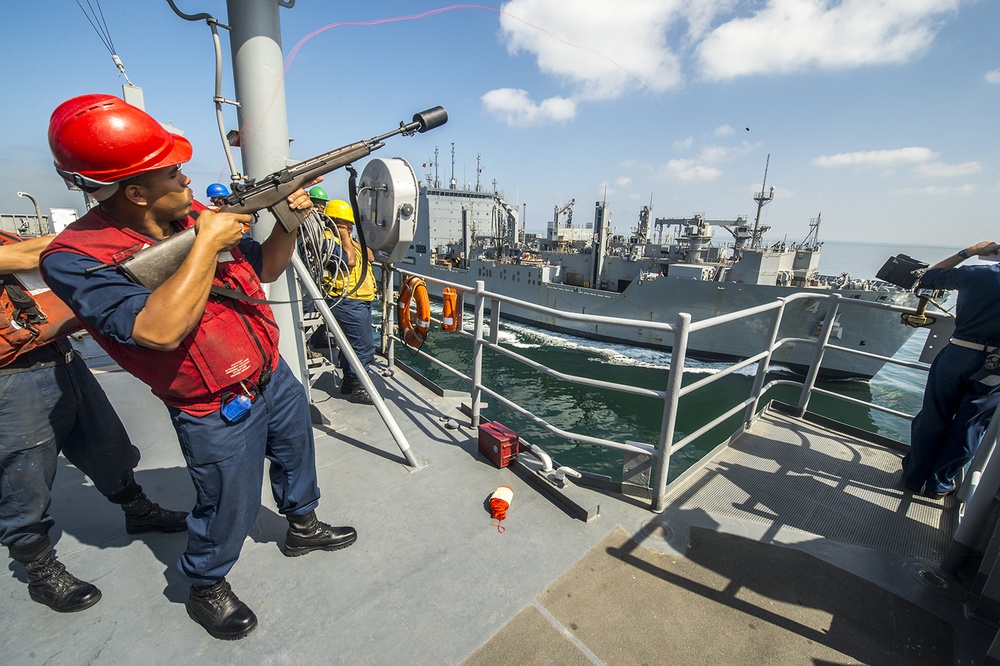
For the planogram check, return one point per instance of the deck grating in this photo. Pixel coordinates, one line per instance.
(831, 485)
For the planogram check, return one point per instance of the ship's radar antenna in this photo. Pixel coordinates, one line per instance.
(437, 181)
(762, 200)
(454, 183)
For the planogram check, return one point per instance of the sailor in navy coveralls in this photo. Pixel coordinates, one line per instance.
(961, 391)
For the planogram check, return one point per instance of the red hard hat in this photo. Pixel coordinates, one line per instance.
(97, 140)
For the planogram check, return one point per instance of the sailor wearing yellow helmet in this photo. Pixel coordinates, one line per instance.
(350, 295)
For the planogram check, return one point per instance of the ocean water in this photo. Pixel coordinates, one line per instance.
(621, 417)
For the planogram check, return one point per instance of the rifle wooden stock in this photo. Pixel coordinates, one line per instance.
(152, 266)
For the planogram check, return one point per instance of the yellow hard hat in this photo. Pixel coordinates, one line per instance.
(339, 210)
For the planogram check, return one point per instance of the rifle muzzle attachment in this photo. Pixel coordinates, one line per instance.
(431, 118)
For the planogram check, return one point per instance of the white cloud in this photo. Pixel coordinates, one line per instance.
(939, 191)
(723, 130)
(716, 154)
(877, 158)
(942, 170)
(992, 76)
(607, 188)
(687, 171)
(516, 108)
(601, 48)
(799, 35)
(684, 144)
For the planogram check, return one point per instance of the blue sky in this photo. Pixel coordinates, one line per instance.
(882, 115)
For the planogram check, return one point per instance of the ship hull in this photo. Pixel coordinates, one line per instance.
(661, 299)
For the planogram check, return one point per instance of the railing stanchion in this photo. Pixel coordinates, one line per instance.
(388, 316)
(670, 402)
(762, 366)
(494, 321)
(824, 338)
(477, 353)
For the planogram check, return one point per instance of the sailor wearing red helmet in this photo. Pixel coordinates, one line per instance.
(212, 360)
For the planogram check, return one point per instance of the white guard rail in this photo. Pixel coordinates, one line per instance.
(673, 391)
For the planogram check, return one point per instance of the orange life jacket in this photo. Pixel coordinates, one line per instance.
(30, 314)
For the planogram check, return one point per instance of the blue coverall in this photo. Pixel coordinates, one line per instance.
(225, 461)
(957, 404)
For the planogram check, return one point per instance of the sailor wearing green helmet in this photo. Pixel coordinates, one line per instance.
(319, 197)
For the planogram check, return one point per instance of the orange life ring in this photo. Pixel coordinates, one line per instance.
(449, 303)
(412, 332)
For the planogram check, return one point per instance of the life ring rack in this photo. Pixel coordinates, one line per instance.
(413, 332)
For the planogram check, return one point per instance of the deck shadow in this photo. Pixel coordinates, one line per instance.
(736, 601)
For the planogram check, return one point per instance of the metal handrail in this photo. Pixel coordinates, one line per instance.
(674, 390)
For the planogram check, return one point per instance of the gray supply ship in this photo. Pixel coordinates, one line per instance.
(466, 235)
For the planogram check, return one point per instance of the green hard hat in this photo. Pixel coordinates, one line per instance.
(318, 193)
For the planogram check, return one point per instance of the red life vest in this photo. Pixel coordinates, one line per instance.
(230, 344)
(30, 314)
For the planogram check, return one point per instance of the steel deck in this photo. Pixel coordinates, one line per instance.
(431, 581)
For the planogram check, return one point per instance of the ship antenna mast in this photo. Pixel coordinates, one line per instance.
(453, 183)
(762, 200)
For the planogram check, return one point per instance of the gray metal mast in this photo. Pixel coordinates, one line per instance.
(762, 199)
(258, 72)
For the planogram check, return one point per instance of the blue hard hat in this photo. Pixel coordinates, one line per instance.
(217, 190)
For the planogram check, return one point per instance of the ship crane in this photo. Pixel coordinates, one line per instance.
(812, 239)
(740, 231)
(694, 229)
(554, 227)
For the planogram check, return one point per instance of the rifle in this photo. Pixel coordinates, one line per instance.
(153, 265)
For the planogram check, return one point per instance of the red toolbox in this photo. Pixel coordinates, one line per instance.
(498, 443)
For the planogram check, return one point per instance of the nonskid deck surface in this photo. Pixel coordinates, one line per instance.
(429, 581)
(794, 545)
(788, 473)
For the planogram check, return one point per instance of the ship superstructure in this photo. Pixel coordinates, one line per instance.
(666, 266)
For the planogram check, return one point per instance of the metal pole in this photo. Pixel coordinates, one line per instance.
(388, 315)
(345, 348)
(762, 367)
(821, 342)
(38, 211)
(494, 321)
(258, 75)
(477, 353)
(670, 402)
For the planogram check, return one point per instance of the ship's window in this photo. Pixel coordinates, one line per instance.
(421, 249)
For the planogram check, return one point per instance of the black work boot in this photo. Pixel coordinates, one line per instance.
(49, 583)
(360, 395)
(221, 612)
(144, 515)
(347, 385)
(306, 534)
